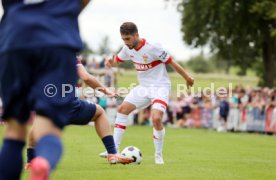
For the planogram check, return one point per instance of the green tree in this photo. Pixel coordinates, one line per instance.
(199, 64)
(86, 51)
(240, 31)
(104, 46)
(219, 64)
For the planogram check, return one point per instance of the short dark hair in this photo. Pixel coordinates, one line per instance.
(128, 28)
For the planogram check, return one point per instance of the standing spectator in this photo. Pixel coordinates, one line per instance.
(242, 104)
(169, 111)
(187, 104)
(206, 106)
(273, 104)
(178, 110)
(136, 117)
(224, 108)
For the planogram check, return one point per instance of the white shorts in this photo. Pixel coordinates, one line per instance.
(142, 97)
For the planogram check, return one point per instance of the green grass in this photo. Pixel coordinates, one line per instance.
(188, 154)
(201, 80)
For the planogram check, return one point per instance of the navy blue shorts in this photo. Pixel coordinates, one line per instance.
(32, 79)
(81, 112)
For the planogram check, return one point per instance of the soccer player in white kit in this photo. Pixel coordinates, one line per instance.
(154, 84)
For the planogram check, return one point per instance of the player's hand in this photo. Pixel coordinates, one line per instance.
(114, 95)
(189, 82)
(109, 62)
(111, 94)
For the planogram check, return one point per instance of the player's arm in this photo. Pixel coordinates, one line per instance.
(84, 3)
(164, 56)
(112, 62)
(92, 82)
(115, 61)
(180, 70)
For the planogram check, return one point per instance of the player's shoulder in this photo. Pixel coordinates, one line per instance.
(153, 45)
(154, 48)
(125, 49)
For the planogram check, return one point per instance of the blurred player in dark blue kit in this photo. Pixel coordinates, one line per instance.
(81, 113)
(39, 40)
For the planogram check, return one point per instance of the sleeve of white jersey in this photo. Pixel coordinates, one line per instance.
(161, 54)
(122, 55)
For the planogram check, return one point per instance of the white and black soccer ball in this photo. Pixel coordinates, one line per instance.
(133, 152)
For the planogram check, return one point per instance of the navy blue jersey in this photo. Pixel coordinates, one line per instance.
(39, 23)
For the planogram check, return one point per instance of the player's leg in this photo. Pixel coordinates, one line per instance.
(14, 82)
(104, 132)
(30, 148)
(53, 67)
(78, 117)
(48, 148)
(121, 122)
(158, 134)
(102, 126)
(11, 150)
(135, 99)
(82, 113)
(159, 105)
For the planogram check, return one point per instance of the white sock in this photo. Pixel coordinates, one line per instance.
(119, 129)
(158, 140)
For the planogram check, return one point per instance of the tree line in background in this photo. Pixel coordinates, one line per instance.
(239, 32)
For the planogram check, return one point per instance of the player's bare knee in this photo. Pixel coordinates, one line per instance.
(99, 111)
(157, 119)
(157, 125)
(120, 109)
(31, 140)
(123, 110)
(43, 127)
(16, 131)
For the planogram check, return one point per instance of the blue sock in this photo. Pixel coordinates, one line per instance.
(30, 154)
(109, 144)
(50, 148)
(11, 159)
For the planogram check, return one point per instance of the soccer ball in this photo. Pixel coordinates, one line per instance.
(133, 152)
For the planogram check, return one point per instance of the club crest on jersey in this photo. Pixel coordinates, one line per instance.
(145, 57)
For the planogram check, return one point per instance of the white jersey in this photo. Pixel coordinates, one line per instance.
(149, 61)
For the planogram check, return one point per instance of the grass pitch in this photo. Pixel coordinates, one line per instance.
(188, 154)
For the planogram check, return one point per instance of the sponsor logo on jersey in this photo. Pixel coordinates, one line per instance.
(144, 67)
